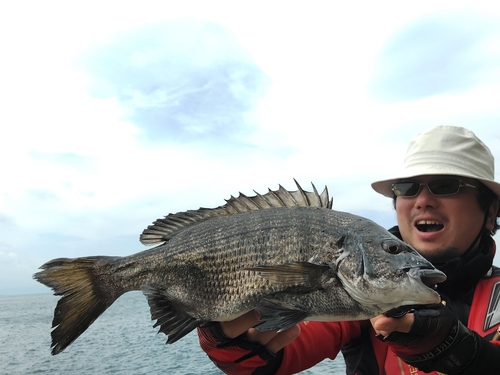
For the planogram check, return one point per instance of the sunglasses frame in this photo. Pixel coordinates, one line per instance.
(461, 184)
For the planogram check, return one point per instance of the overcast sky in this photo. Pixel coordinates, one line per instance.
(114, 114)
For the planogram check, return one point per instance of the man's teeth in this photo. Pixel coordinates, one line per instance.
(427, 222)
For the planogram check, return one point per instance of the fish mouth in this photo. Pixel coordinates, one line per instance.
(430, 277)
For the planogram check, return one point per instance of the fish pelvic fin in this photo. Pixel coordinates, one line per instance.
(83, 299)
(163, 229)
(169, 315)
(276, 315)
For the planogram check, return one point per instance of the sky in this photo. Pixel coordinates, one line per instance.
(115, 113)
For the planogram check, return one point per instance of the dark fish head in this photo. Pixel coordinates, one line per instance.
(382, 272)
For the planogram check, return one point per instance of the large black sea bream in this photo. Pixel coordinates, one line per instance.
(286, 254)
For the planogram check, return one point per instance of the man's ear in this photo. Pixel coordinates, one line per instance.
(492, 214)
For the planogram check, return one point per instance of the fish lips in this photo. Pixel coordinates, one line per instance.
(430, 277)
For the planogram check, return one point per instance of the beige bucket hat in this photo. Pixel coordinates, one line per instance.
(445, 150)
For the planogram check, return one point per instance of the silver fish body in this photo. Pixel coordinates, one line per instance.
(286, 254)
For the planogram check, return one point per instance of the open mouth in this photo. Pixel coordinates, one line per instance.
(428, 226)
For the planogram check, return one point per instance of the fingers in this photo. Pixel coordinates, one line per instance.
(236, 327)
(262, 337)
(282, 339)
(271, 339)
(384, 325)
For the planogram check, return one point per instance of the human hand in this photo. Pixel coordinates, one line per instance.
(384, 325)
(237, 348)
(429, 338)
(272, 340)
(419, 331)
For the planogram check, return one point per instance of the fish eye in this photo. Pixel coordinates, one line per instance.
(392, 247)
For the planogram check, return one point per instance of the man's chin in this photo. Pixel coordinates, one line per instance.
(439, 256)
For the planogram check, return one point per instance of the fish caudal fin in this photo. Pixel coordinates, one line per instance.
(171, 318)
(83, 297)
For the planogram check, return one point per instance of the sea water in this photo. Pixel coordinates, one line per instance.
(120, 341)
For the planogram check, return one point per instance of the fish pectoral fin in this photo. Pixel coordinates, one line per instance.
(169, 314)
(301, 277)
(276, 315)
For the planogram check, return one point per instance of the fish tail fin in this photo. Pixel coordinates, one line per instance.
(86, 290)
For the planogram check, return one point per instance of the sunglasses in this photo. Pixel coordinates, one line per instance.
(441, 187)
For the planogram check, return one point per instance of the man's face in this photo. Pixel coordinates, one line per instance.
(440, 227)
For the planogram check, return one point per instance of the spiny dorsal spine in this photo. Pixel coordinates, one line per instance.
(163, 229)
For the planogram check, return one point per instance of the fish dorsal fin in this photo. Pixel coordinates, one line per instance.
(163, 229)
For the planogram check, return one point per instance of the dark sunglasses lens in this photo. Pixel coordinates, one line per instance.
(406, 189)
(444, 187)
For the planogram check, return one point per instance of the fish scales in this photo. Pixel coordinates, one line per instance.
(208, 261)
(221, 258)
(286, 254)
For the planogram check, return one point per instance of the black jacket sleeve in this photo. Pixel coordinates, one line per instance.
(487, 359)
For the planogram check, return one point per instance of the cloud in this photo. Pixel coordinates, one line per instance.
(436, 54)
(183, 113)
(12, 234)
(179, 80)
(67, 159)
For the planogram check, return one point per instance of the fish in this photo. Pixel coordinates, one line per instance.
(286, 254)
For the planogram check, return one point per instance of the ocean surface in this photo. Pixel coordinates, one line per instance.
(120, 341)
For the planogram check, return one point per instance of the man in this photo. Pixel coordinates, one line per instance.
(447, 204)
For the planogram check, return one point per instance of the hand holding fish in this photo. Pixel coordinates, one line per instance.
(251, 347)
(430, 338)
(272, 340)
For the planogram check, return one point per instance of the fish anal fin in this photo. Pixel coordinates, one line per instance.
(276, 315)
(169, 314)
(298, 276)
